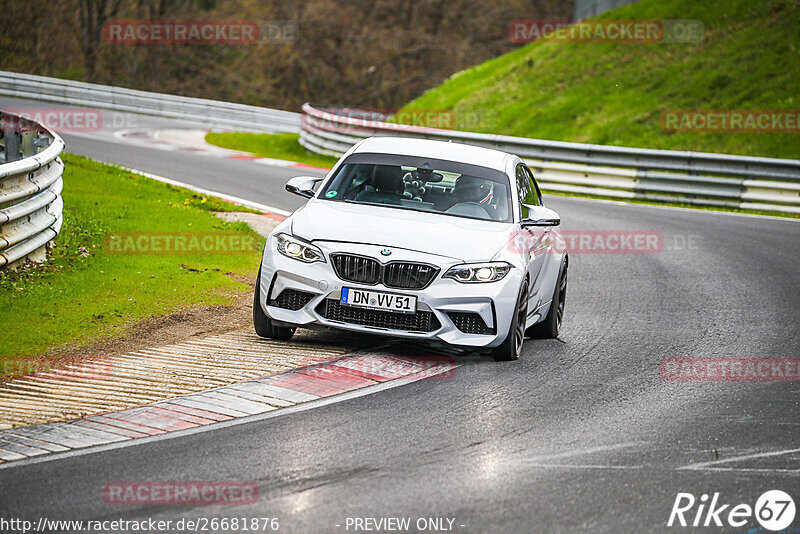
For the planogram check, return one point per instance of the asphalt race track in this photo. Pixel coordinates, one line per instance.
(580, 434)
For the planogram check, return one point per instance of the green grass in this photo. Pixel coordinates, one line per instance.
(85, 293)
(278, 146)
(614, 93)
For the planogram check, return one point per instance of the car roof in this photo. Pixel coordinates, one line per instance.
(474, 155)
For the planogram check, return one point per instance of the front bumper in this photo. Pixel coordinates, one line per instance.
(444, 299)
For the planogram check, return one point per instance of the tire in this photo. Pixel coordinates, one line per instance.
(511, 347)
(551, 326)
(263, 324)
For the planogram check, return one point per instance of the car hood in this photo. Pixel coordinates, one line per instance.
(454, 237)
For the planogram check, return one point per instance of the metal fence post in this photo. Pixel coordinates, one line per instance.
(13, 144)
(27, 143)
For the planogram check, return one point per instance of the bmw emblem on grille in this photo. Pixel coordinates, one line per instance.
(386, 252)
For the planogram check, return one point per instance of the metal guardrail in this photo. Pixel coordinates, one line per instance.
(210, 112)
(697, 178)
(31, 209)
(591, 8)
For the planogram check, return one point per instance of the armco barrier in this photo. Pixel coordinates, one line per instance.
(697, 178)
(210, 112)
(30, 189)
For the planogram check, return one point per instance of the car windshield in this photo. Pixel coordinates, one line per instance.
(422, 184)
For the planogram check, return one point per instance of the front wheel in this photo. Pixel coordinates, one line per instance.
(551, 326)
(263, 324)
(511, 347)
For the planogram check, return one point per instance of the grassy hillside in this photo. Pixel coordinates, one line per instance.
(615, 93)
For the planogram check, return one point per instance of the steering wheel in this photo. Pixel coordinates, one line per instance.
(469, 209)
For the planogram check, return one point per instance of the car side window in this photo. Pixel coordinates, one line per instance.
(526, 190)
(536, 193)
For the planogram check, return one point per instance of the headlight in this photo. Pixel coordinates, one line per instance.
(298, 250)
(475, 273)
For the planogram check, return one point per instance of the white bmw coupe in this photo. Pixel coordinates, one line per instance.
(417, 239)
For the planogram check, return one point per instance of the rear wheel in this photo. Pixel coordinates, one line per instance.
(263, 324)
(511, 347)
(551, 326)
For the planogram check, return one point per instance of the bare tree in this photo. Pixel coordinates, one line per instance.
(92, 16)
(368, 53)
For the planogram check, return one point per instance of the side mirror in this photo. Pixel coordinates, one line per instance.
(302, 185)
(540, 216)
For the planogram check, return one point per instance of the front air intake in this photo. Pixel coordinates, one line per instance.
(421, 321)
(396, 274)
(291, 299)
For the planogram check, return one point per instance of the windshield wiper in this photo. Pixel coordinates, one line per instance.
(395, 206)
(353, 201)
(404, 207)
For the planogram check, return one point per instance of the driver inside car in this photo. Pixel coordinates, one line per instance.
(467, 189)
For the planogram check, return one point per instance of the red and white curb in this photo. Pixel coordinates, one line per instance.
(276, 162)
(364, 372)
(193, 141)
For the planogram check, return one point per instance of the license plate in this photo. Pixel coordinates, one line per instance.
(377, 300)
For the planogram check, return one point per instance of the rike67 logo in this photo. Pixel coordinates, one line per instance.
(774, 511)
